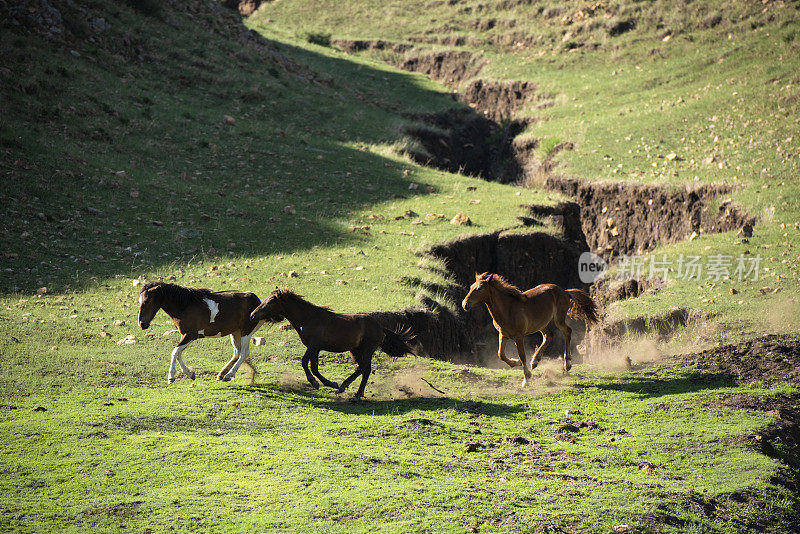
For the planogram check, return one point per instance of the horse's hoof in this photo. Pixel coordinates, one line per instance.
(314, 385)
(534, 365)
(524, 383)
(226, 378)
(191, 375)
(170, 381)
(335, 386)
(355, 398)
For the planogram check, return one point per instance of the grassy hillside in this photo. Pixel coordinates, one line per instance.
(648, 92)
(143, 140)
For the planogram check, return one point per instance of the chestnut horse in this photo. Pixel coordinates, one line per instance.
(516, 314)
(199, 313)
(320, 329)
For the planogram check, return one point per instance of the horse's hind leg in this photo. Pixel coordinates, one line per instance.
(501, 352)
(547, 336)
(520, 343)
(236, 341)
(176, 357)
(315, 372)
(567, 331)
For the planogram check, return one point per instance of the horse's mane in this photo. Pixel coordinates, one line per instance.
(179, 295)
(288, 293)
(503, 285)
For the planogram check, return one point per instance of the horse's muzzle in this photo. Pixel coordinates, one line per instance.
(144, 326)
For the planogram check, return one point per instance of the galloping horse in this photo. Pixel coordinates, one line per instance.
(516, 314)
(320, 328)
(199, 313)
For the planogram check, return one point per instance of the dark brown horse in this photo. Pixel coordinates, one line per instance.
(199, 313)
(321, 329)
(516, 314)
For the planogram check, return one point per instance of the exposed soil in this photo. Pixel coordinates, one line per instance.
(459, 140)
(624, 218)
(499, 101)
(767, 359)
(360, 45)
(449, 67)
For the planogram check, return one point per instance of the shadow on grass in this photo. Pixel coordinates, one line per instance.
(276, 179)
(367, 406)
(648, 387)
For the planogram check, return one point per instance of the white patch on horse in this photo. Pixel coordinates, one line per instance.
(213, 307)
(201, 332)
(141, 299)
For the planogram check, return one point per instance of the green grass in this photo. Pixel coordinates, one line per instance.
(118, 169)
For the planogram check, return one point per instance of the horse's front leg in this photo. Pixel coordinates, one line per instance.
(236, 341)
(547, 336)
(520, 343)
(349, 379)
(364, 360)
(305, 361)
(315, 371)
(501, 351)
(176, 357)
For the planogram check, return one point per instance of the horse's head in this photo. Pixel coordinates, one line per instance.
(270, 309)
(149, 304)
(477, 291)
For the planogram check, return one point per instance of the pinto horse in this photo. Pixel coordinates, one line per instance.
(516, 313)
(320, 329)
(199, 313)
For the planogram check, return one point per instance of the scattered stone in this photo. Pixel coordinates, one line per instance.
(292, 274)
(39, 409)
(42, 290)
(258, 341)
(289, 209)
(672, 156)
(227, 119)
(461, 220)
(127, 340)
(412, 185)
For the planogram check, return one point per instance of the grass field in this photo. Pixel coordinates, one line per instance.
(171, 144)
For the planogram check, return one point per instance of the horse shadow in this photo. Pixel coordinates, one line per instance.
(367, 406)
(655, 386)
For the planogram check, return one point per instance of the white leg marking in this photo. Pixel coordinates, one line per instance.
(213, 308)
(201, 332)
(176, 353)
(243, 353)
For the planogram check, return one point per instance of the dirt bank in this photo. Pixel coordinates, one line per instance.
(461, 141)
(626, 218)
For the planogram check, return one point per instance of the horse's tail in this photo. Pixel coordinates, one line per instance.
(396, 344)
(582, 306)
